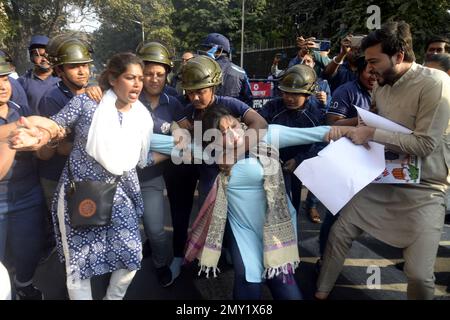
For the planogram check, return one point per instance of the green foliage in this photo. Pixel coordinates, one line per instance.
(25, 18)
(426, 18)
(266, 21)
(119, 32)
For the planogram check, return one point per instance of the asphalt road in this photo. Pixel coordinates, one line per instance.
(351, 285)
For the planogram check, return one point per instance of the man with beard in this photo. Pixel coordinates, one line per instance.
(407, 216)
(36, 81)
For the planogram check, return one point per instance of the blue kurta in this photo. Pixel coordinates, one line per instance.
(247, 203)
(97, 250)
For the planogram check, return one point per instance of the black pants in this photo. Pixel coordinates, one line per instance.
(181, 181)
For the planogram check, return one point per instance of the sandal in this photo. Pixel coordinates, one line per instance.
(314, 215)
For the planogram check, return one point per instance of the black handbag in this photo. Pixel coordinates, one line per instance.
(90, 202)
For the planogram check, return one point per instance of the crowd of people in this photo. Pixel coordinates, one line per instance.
(144, 134)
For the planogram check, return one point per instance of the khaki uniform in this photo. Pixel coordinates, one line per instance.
(405, 216)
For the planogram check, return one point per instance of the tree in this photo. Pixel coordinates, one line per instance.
(118, 31)
(25, 18)
(342, 17)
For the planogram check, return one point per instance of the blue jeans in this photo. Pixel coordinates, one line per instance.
(153, 196)
(23, 232)
(244, 290)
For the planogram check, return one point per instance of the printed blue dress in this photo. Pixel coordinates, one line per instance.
(96, 250)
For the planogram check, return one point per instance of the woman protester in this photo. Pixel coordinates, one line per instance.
(253, 206)
(111, 138)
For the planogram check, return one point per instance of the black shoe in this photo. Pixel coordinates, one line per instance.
(29, 293)
(164, 276)
(146, 249)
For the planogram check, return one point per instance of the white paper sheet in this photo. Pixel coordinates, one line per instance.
(340, 171)
(376, 121)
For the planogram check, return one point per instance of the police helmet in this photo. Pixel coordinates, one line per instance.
(216, 39)
(155, 52)
(299, 79)
(67, 50)
(200, 72)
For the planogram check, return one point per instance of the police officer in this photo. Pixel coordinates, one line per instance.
(353, 93)
(292, 109)
(21, 202)
(18, 94)
(70, 58)
(39, 79)
(200, 78)
(235, 81)
(165, 110)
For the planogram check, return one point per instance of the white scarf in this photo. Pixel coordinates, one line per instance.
(119, 147)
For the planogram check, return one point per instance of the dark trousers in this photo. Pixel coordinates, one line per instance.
(244, 290)
(181, 181)
(293, 188)
(22, 233)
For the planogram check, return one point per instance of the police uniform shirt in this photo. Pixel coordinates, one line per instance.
(171, 91)
(168, 110)
(35, 87)
(20, 187)
(18, 95)
(346, 96)
(235, 82)
(275, 112)
(343, 75)
(50, 104)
